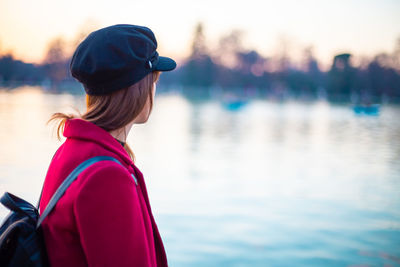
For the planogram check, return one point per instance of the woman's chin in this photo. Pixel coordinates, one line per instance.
(141, 120)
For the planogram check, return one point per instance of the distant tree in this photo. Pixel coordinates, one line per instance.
(247, 60)
(250, 68)
(55, 63)
(341, 78)
(199, 47)
(7, 68)
(383, 80)
(282, 58)
(199, 69)
(56, 51)
(229, 47)
(312, 76)
(396, 56)
(12, 70)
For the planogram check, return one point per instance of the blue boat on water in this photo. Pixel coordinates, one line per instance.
(234, 105)
(233, 102)
(369, 110)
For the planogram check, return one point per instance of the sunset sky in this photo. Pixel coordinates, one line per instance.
(361, 27)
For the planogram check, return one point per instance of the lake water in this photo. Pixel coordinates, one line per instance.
(268, 184)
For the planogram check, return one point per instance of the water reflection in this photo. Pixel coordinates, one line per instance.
(275, 184)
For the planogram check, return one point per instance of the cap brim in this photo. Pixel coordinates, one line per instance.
(165, 64)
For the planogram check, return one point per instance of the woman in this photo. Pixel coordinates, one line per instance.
(104, 218)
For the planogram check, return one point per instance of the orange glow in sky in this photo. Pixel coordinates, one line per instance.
(359, 27)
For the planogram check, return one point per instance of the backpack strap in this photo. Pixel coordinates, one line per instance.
(67, 182)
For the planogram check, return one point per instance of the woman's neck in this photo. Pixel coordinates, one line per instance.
(119, 135)
(122, 133)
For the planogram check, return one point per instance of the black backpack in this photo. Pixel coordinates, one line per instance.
(21, 238)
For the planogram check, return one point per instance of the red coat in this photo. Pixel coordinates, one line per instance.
(104, 218)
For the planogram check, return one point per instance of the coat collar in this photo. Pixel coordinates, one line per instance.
(81, 129)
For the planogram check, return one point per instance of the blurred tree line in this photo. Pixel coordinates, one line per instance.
(231, 67)
(54, 68)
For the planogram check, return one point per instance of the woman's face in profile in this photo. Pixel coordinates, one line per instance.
(145, 113)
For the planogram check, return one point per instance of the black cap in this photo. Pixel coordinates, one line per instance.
(116, 57)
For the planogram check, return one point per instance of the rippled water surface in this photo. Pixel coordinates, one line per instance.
(269, 184)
